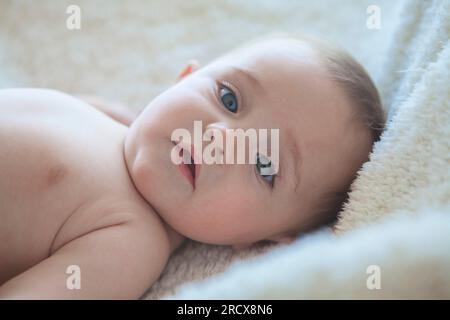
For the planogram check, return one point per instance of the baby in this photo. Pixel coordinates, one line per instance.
(80, 190)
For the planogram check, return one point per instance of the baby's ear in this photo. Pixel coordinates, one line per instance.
(190, 67)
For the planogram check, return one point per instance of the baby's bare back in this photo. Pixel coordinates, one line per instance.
(66, 199)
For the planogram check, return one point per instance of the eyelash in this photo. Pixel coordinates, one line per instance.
(261, 177)
(223, 84)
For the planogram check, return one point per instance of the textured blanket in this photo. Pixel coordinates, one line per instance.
(393, 236)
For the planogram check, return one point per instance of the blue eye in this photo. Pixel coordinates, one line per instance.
(228, 99)
(263, 168)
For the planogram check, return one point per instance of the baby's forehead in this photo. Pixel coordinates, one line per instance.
(273, 60)
(289, 73)
(292, 77)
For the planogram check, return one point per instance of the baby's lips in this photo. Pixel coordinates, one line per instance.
(194, 154)
(197, 157)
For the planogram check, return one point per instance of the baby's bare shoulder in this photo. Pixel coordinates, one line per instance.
(131, 253)
(146, 226)
(142, 232)
(131, 213)
(119, 261)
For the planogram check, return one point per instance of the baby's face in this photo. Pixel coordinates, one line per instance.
(274, 84)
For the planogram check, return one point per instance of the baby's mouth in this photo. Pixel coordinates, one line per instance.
(186, 155)
(188, 167)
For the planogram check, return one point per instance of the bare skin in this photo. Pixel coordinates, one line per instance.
(58, 209)
(78, 187)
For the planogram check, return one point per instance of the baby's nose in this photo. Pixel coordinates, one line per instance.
(232, 144)
(216, 133)
(216, 130)
(215, 137)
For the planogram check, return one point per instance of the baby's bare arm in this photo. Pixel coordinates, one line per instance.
(117, 262)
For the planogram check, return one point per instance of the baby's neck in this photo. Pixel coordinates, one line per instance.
(175, 238)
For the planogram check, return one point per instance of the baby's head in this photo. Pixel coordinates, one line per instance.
(328, 114)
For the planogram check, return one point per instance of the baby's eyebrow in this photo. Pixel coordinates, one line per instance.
(249, 76)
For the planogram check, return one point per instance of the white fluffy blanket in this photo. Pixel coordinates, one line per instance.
(397, 217)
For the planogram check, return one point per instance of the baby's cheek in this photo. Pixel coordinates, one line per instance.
(237, 205)
(225, 217)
